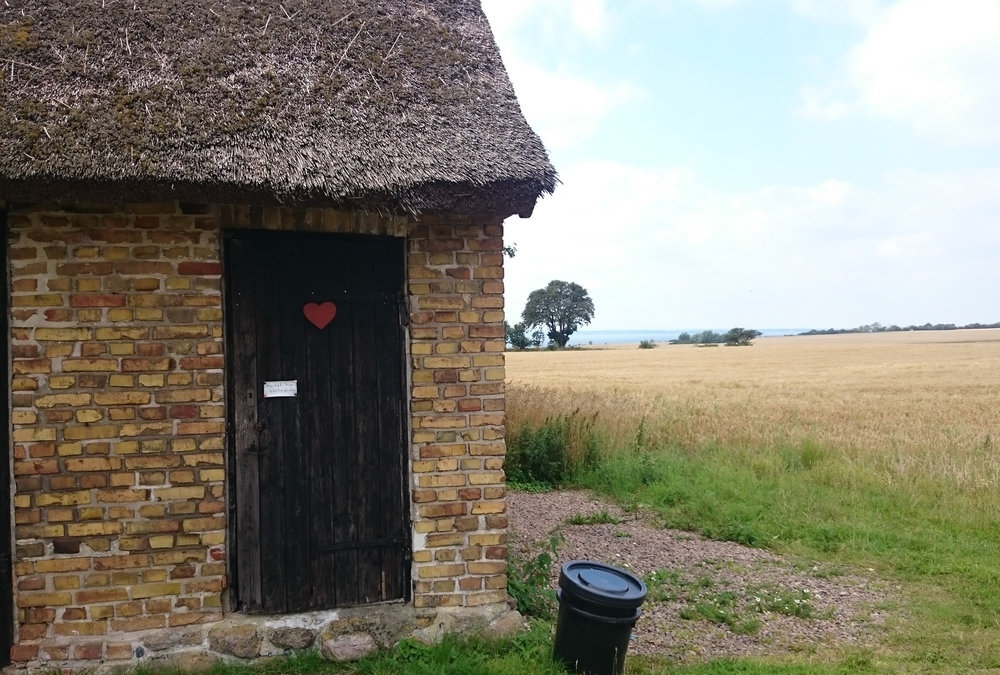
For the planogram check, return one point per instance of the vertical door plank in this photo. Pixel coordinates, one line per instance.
(371, 482)
(296, 438)
(392, 455)
(242, 396)
(276, 420)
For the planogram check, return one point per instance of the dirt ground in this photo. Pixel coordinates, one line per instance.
(707, 599)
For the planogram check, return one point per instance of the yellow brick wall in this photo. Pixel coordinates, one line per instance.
(118, 419)
(118, 426)
(455, 273)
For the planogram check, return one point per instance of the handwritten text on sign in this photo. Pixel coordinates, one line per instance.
(281, 389)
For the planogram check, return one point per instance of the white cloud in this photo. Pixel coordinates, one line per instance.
(837, 11)
(585, 18)
(928, 64)
(822, 103)
(659, 249)
(565, 108)
(562, 105)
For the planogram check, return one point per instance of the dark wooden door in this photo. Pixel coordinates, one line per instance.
(319, 509)
(6, 568)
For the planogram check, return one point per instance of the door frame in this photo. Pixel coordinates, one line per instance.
(406, 515)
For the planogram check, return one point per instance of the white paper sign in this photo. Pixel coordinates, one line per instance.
(281, 389)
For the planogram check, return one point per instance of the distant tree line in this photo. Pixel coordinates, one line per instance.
(734, 337)
(879, 328)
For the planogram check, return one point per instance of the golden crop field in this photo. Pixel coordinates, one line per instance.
(901, 402)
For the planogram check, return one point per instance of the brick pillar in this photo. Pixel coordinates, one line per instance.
(455, 272)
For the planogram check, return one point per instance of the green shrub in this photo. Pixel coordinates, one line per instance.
(543, 457)
(648, 344)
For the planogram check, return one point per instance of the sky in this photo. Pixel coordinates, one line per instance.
(761, 163)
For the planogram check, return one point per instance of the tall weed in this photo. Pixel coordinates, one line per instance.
(528, 580)
(552, 453)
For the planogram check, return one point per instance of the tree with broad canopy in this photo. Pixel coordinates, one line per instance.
(561, 307)
(741, 337)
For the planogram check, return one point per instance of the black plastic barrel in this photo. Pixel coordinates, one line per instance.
(598, 606)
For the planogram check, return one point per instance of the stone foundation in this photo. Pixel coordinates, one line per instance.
(339, 635)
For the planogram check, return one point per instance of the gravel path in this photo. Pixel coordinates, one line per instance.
(751, 593)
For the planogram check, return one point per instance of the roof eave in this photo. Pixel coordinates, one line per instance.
(501, 200)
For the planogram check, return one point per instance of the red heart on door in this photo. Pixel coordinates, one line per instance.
(320, 314)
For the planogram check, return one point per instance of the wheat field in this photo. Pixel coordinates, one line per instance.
(903, 404)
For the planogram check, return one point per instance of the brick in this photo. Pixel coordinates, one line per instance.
(486, 331)
(439, 540)
(122, 398)
(486, 598)
(145, 429)
(179, 493)
(143, 268)
(441, 422)
(89, 432)
(449, 362)
(122, 496)
(432, 302)
(470, 584)
(89, 416)
(26, 384)
(91, 529)
(31, 366)
(30, 434)
(438, 571)
(89, 365)
(57, 599)
(203, 524)
(200, 269)
(63, 498)
(467, 524)
(141, 365)
(441, 510)
(93, 463)
(22, 653)
(485, 360)
(63, 334)
(184, 396)
(97, 300)
(201, 428)
(118, 651)
(81, 628)
(178, 332)
(37, 300)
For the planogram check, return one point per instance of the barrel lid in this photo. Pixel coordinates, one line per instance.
(603, 584)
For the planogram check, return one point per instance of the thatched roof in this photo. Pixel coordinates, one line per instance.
(393, 105)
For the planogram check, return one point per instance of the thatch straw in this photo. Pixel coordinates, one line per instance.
(397, 105)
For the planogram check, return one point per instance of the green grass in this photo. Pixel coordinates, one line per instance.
(601, 518)
(528, 652)
(939, 541)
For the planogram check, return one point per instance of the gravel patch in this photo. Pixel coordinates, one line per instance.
(697, 573)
